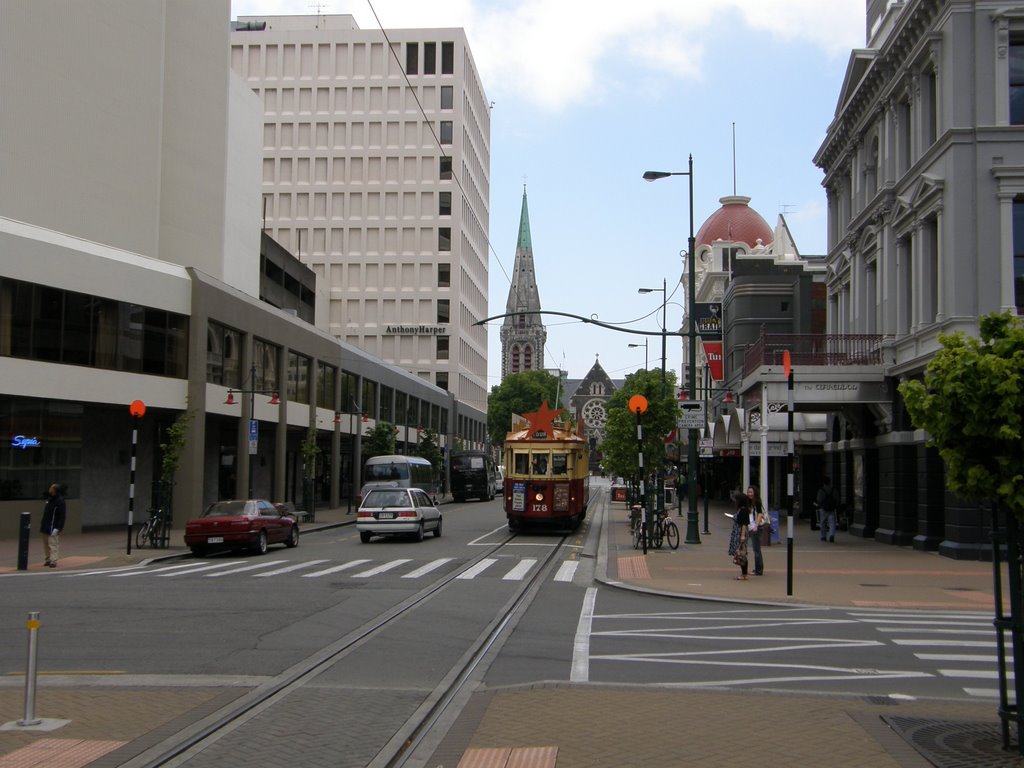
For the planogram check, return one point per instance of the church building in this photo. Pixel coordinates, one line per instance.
(523, 335)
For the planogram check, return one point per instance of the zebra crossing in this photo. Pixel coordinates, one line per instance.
(505, 569)
(959, 646)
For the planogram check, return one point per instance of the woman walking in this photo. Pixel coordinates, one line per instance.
(759, 523)
(738, 535)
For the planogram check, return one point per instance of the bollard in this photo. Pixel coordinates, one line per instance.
(30, 673)
(24, 532)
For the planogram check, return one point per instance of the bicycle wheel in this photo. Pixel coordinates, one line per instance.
(141, 535)
(156, 534)
(657, 534)
(672, 534)
(637, 533)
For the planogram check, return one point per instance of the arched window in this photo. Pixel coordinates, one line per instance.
(527, 358)
(515, 358)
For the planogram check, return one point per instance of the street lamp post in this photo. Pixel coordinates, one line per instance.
(692, 532)
(659, 493)
(253, 424)
(644, 345)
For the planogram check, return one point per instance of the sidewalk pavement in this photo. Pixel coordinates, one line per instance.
(591, 725)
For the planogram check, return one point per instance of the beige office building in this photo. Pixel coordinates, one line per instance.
(376, 163)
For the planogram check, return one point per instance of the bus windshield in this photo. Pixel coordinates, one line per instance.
(382, 472)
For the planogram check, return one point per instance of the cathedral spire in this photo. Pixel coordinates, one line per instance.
(522, 332)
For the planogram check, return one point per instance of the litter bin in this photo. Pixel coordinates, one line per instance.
(618, 493)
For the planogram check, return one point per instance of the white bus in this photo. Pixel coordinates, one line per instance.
(398, 472)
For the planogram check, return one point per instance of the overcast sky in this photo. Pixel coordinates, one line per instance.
(588, 95)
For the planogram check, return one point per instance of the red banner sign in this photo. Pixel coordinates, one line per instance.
(713, 354)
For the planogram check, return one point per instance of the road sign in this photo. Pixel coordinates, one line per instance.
(691, 414)
(254, 436)
(707, 447)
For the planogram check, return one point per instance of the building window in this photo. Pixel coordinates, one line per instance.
(515, 358)
(444, 275)
(521, 321)
(298, 378)
(26, 473)
(412, 58)
(369, 401)
(1017, 82)
(442, 347)
(264, 357)
(401, 406)
(412, 412)
(447, 58)
(1018, 254)
(441, 379)
(444, 239)
(387, 397)
(327, 375)
(527, 358)
(223, 355)
(443, 310)
(444, 203)
(430, 58)
(446, 169)
(729, 258)
(903, 135)
(930, 97)
(447, 97)
(446, 132)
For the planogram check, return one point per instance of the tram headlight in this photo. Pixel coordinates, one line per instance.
(539, 496)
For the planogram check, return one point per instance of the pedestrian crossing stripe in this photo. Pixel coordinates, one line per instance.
(354, 569)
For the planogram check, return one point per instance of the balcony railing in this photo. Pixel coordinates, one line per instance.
(813, 349)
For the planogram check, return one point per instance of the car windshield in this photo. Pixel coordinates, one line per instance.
(225, 509)
(386, 499)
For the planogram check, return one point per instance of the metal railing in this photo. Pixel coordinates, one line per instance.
(813, 349)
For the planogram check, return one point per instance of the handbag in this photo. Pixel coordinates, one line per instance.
(740, 558)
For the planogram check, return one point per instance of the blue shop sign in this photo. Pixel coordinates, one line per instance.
(23, 442)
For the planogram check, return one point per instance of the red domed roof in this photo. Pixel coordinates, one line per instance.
(735, 221)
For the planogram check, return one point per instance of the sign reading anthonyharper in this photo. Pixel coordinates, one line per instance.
(415, 330)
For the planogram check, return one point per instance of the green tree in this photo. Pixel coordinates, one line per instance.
(619, 447)
(971, 403)
(175, 438)
(518, 393)
(380, 441)
(429, 449)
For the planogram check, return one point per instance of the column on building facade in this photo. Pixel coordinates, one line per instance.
(917, 276)
(335, 471)
(242, 462)
(1001, 70)
(1007, 297)
(940, 270)
(764, 442)
(856, 287)
(281, 428)
(886, 262)
(743, 416)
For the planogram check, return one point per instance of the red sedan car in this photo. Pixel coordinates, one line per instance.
(252, 524)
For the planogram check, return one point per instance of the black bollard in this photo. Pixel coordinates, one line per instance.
(23, 534)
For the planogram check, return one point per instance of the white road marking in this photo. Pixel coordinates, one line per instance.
(244, 568)
(923, 630)
(981, 674)
(480, 541)
(477, 569)
(425, 569)
(580, 671)
(104, 571)
(518, 573)
(960, 657)
(288, 569)
(155, 570)
(334, 569)
(985, 693)
(380, 569)
(195, 569)
(567, 570)
(928, 642)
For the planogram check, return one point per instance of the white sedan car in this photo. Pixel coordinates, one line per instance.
(397, 511)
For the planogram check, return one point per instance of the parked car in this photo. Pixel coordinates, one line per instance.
(252, 524)
(394, 511)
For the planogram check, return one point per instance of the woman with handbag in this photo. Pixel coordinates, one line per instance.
(738, 536)
(760, 528)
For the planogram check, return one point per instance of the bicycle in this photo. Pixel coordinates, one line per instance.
(661, 528)
(151, 531)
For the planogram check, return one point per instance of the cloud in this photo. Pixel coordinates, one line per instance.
(558, 53)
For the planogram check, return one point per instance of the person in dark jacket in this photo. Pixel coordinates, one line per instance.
(53, 523)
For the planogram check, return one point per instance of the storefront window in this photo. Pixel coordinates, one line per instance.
(40, 443)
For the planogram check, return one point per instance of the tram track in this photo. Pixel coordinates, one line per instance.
(442, 701)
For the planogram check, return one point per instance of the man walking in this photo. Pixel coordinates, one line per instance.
(827, 502)
(53, 523)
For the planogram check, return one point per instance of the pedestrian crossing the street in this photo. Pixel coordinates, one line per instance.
(959, 646)
(504, 569)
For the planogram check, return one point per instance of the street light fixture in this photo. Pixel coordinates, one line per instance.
(692, 533)
(253, 424)
(659, 494)
(644, 345)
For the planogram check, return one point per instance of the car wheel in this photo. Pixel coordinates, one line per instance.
(293, 537)
(419, 533)
(364, 536)
(437, 531)
(260, 547)
(198, 551)
(459, 499)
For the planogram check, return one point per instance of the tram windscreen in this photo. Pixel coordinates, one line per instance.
(559, 463)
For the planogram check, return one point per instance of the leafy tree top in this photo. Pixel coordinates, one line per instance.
(380, 441)
(518, 393)
(971, 403)
(619, 447)
(429, 449)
